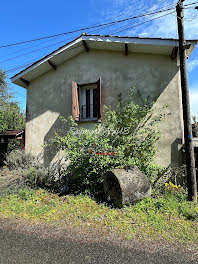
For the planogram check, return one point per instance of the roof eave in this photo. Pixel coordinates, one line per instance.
(17, 79)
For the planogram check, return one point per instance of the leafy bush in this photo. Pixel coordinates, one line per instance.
(41, 177)
(19, 159)
(126, 136)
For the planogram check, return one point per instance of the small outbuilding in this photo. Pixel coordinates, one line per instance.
(7, 135)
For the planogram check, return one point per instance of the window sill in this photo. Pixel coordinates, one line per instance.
(96, 120)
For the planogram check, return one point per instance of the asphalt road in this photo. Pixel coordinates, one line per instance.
(26, 249)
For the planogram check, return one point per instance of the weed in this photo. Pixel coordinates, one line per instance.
(165, 216)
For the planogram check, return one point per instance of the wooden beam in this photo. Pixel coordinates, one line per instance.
(174, 53)
(52, 65)
(25, 81)
(85, 46)
(126, 49)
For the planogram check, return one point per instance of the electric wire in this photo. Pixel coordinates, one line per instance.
(172, 5)
(10, 70)
(15, 57)
(32, 62)
(125, 26)
(13, 69)
(63, 36)
(21, 66)
(143, 23)
(77, 30)
(191, 4)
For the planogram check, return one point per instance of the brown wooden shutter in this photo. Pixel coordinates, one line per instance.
(75, 102)
(99, 106)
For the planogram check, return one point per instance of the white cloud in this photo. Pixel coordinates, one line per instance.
(162, 27)
(123, 9)
(194, 101)
(192, 64)
(167, 26)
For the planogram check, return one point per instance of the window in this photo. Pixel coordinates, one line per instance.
(86, 101)
(88, 104)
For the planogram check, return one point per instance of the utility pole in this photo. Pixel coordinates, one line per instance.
(189, 149)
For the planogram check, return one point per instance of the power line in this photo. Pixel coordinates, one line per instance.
(14, 69)
(143, 22)
(104, 27)
(166, 6)
(123, 13)
(125, 26)
(26, 48)
(173, 5)
(56, 44)
(191, 4)
(113, 32)
(51, 44)
(188, 8)
(86, 28)
(63, 35)
(31, 62)
(19, 67)
(34, 50)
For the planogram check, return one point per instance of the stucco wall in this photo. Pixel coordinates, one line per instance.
(154, 77)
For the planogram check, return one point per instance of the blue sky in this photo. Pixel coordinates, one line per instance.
(23, 20)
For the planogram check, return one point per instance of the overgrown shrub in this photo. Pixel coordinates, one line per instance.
(176, 175)
(19, 159)
(13, 144)
(126, 136)
(32, 170)
(42, 177)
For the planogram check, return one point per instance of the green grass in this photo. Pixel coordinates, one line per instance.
(163, 217)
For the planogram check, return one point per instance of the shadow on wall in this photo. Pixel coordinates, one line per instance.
(177, 154)
(50, 150)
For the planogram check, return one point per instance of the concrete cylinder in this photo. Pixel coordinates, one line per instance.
(123, 187)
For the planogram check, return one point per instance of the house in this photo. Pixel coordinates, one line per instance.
(89, 72)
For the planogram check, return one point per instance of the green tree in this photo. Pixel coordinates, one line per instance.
(5, 95)
(11, 116)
